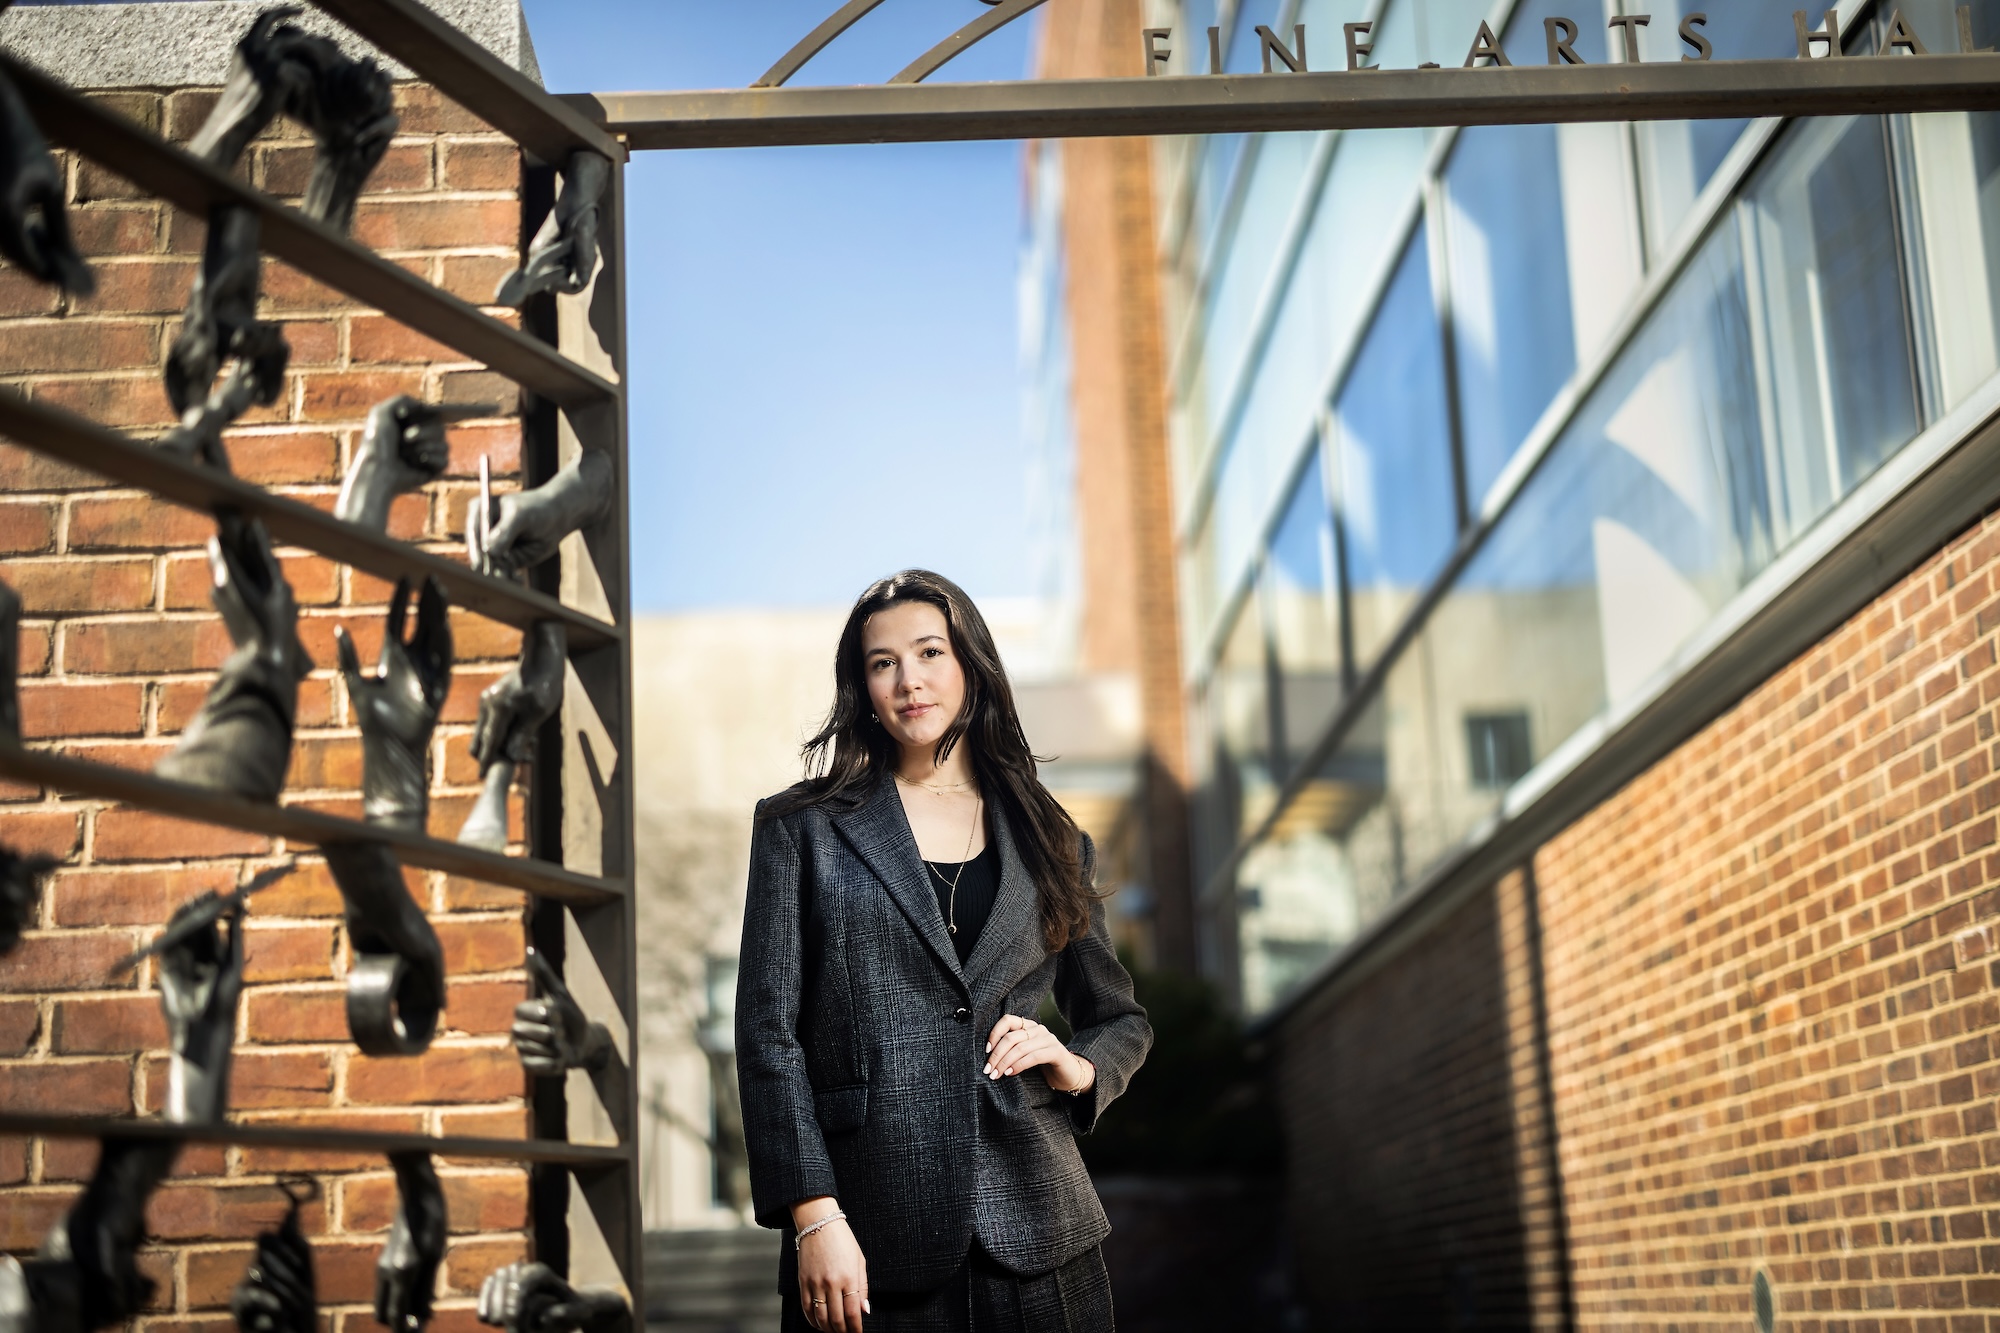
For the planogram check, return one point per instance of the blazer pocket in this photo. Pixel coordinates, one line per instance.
(841, 1110)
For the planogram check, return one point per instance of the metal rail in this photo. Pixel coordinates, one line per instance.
(92, 128)
(580, 1157)
(108, 782)
(74, 439)
(1238, 103)
(475, 78)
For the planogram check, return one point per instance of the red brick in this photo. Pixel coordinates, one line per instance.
(260, 1160)
(13, 1166)
(126, 402)
(481, 945)
(381, 340)
(497, 441)
(287, 952)
(145, 647)
(52, 586)
(443, 1075)
(320, 762)
(134, 897)
(74, 344)
(349, 395)
(422, 109)
(144, 286)
(67, 960)
(476, 278)
(475, 1201)
(135, 522)
(315, 580)
(50, 832)
(20, 1024)
(316, 1014)
(29, 1215)
(468, 1263)
(483, 1008)
(481, 165)
(285, 288)
(436, 224)
(82, 708)
(21, 294)
(307, 891)
(67, 1087)
(27, 527)
(24, 470)
(113, 231)
(141, 835)
(180, 1212)
(109, 1025)
(289, 458)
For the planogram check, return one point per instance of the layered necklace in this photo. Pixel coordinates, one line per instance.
(939, 789)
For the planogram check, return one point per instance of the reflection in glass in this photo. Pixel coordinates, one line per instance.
(1240, 715)
(1398, 514)
(1302, 600)
(1678, 158)
(1833, 344)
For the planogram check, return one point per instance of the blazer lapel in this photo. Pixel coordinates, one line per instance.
(1015, 917)
(879, 833)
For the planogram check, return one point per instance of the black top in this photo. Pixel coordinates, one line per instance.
(978, 885)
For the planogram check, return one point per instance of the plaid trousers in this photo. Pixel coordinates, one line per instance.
(982, 1297)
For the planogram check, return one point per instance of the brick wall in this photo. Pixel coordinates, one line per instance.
(1772, 977)
(117, 654)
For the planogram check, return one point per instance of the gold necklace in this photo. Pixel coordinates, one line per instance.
(951, 915)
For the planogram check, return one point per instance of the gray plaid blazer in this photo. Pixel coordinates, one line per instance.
(859, 1043)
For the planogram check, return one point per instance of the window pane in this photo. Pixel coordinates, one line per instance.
(1510, 289)
(1677, 158)
(1833, 337)
(1303, 600)
(1398, 516)
(1240, 723)
(1271, 197)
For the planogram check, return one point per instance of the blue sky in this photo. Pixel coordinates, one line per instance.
(824, 374)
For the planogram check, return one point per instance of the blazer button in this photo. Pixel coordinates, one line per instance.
(961, 1015)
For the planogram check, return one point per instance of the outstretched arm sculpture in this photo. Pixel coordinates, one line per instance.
(552, 1034)
(395, 985)
(34, 227)
(241, 740)
(397, 707)
(406, 1274)
(403, 447)
(222, 322)
(563, 255)
(201, 977)
(278, 1293)
(524, 528)
(532, 1298)
(511, 711)
(281, 69)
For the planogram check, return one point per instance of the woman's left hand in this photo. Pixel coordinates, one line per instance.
(1017, 1043)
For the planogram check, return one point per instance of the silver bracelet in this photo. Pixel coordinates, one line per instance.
(835, 1216)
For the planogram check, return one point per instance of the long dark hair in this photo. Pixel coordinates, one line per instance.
(850, 754)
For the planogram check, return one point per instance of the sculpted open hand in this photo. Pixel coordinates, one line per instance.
(1017, 1044)
(833, 1273)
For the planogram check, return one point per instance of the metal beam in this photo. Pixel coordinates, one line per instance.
(585, 1159)
(1237, 103)
(60, 434)
(92, 128)
(300, 824)
(475, 78)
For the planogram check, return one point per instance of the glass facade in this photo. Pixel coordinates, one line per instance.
(1476, 432)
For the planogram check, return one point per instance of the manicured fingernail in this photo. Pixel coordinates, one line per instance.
(866, 1308)
(991, 1074)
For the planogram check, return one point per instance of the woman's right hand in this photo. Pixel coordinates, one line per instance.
(833, 1273)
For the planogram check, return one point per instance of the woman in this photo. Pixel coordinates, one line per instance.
(910, 1124)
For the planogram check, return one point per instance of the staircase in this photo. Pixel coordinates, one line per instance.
(712, 1281)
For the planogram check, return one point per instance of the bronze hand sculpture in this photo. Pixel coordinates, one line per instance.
(397, 707)
(279, 68)
(395, 985)
(241, 740)
(552, 1035)
(278, 1293)
(222, 322)
(34, 227)
(403, 447)
(511, 711)
(527, 527)
(532, 1298)
(201, 978)
(406, 1274)
(563, 255)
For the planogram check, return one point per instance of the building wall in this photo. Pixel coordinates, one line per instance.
(1129, 624)
(1769, 1023)
(117, 652)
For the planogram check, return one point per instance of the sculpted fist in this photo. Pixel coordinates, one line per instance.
(531, 1298)
(201, 977)
(403, 447)
(34, 228)
(406, 1274)
(397, 706)
(552, 1034)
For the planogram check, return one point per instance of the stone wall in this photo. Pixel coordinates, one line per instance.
(117, 653)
